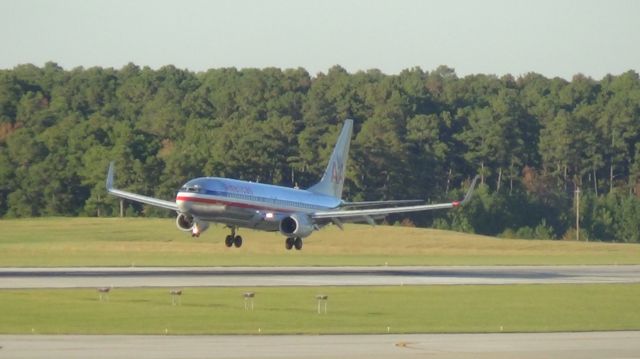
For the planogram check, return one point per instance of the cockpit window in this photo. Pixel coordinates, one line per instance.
(191, 188)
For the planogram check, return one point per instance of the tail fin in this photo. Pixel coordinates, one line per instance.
(333, 178)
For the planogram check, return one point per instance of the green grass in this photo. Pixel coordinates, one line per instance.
(292, 310)
(156, 242)
(46, 242)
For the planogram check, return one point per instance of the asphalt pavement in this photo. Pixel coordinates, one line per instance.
(311, 276)
(588, 345)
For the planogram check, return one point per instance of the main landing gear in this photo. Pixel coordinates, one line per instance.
(293, 242)
(233, 240)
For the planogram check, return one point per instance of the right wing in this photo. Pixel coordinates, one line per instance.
(380, 203)
(364, 213)
(137, 197)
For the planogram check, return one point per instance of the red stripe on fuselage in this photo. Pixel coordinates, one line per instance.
(227, 203)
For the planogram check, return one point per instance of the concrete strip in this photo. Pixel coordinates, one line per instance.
(311, 276)
(587, 345)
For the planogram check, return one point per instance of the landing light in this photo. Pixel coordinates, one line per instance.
(269, 215)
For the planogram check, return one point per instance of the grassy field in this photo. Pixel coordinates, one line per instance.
(514, 308)
(156, 242)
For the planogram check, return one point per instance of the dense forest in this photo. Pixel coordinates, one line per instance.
(418, 134)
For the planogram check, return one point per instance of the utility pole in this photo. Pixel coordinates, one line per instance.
(577, 213)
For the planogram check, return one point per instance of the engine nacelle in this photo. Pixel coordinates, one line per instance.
(296, 226)
(191, 224)
(185, 222)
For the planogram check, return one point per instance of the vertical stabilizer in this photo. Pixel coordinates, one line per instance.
(333, 178)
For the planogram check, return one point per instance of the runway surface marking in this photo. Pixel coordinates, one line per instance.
(311, 276)
(601, 345)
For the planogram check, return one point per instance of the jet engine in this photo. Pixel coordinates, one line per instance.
(185, 222)
(296, 225)
(191, 224)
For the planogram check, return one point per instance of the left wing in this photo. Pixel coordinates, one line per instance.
(389, 210)
(137, 197)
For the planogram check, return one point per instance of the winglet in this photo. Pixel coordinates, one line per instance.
(110, 177)
(467, 196)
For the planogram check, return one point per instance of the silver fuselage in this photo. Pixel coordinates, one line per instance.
(247, 204)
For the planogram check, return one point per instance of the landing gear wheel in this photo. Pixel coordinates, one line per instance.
(298, 243)
(288, 243)
(237, 241)
(228, 241)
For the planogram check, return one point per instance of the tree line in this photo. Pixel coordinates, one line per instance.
(418, 134)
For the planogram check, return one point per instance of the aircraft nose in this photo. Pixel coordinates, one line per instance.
(183, 206)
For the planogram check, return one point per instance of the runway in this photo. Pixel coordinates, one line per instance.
(587, 345)
(439, 346)
(311, 276)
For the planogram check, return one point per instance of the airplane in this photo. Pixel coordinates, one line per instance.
(295, 213)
